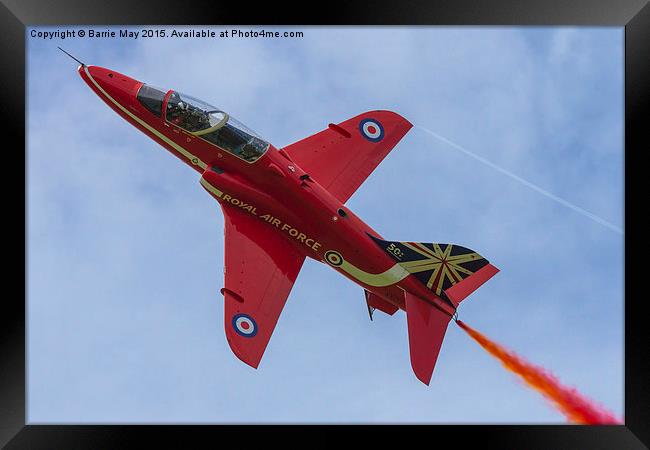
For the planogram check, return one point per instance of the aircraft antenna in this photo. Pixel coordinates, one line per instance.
(71, 56)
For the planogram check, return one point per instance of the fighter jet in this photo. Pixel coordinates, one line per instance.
(282, 205)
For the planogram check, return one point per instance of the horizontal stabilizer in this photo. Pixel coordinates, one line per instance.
(426, 327)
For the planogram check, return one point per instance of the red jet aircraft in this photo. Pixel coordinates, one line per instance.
(283, 205)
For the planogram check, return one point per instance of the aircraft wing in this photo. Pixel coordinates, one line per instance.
(341, 157)
(260, 269)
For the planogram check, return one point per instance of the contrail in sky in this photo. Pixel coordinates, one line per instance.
(534, 187)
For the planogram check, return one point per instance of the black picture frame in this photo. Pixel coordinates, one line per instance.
(16, 15)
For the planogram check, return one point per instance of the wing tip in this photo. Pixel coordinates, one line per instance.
(405, 122)
(252, 361)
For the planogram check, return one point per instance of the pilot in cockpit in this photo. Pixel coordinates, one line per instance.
(187, 117)
(215, 126)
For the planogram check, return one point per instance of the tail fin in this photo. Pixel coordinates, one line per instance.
(426, 326)
(451, 271)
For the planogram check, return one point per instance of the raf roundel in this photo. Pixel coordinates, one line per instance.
(334, 258)
(244, 325)
(371, 129)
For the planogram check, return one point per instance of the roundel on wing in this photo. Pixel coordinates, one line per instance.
(371, 129)
(244, 325)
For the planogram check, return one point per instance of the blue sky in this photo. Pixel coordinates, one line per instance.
(125, 250)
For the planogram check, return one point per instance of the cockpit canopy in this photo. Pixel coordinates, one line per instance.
(205, 121)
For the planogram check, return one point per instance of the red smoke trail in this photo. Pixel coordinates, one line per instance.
(570, 402)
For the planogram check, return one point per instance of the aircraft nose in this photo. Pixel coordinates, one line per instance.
(114, 84)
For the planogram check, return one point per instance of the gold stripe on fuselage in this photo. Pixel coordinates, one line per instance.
(391, 276)
(211, 188)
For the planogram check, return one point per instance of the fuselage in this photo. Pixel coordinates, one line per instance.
(264, 182)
